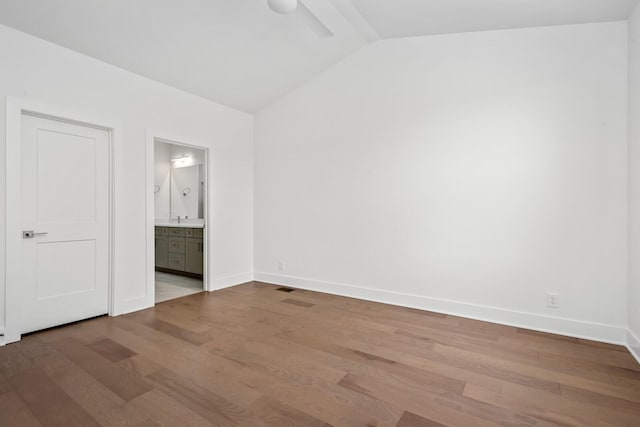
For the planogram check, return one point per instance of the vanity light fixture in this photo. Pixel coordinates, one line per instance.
(180, 158)
(182, 161)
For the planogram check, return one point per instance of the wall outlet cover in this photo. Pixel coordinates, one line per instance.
(553, 300)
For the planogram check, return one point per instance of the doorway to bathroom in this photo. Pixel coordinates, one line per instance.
(180, 226)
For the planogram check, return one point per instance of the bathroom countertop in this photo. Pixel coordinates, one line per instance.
(183, 223)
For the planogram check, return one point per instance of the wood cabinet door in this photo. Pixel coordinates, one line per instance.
(195, 255)
(162, 251)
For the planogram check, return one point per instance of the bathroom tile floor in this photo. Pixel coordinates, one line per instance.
(172, 286)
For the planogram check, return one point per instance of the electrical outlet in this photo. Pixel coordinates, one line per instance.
(281, 265)
(553, 300)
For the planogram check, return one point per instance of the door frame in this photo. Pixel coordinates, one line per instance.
(15, 109)
(152, 135)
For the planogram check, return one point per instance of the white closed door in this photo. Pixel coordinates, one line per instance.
(65, 222)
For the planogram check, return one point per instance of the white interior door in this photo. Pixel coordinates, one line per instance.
(65, 203)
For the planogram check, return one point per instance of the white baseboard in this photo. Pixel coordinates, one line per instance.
(556, 325)
(633, 344)
(9, 338)
(236, 279)
(130, 305)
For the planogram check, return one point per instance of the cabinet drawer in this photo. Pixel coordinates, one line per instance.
(176, 245)
(176, 262)
(175, 231)
(162, 231)
(194, 232)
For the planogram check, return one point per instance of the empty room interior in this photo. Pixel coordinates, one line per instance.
(320, 213)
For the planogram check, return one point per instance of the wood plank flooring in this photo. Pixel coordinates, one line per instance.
(252, 355)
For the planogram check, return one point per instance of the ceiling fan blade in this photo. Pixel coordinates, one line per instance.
(304, 13)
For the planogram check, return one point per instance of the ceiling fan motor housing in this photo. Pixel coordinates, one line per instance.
(283, 6)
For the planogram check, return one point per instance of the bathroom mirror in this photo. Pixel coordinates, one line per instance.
(187, 185)
(179, 187)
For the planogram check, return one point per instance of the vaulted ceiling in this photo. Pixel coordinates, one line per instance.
(242, 54)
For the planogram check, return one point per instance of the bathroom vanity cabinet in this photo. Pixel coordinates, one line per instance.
(180, 250)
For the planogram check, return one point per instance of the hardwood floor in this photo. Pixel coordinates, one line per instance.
(253, 355)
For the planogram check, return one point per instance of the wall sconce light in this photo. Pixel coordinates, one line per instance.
(186, 191)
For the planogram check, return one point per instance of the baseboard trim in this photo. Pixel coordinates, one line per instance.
(236, 279)
(633, 344)
(555, 325)
(132, 305)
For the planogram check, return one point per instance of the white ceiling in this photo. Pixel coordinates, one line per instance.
(241, 54)
(236, 52)
(404, 18)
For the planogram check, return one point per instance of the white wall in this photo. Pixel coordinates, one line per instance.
(36, 70)
(634, 181)
(467, 173)
(162, 178)
(464, 173)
